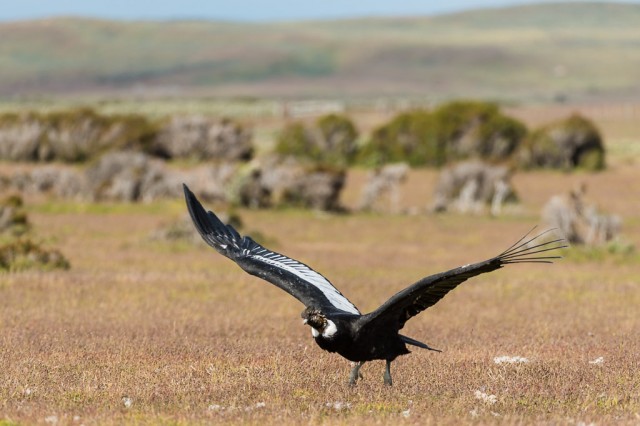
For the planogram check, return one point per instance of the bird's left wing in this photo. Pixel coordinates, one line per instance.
(429, 290)
(294, 277)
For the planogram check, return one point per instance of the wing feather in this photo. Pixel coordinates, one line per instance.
(429, 290)
(292, 276)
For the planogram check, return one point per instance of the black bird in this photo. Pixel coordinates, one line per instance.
(336, 324)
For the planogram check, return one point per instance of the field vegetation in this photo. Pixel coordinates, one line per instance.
(142, 331)
(451, 132)
(331, 140)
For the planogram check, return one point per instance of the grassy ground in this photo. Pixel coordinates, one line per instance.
(145, 332)
(141, 331)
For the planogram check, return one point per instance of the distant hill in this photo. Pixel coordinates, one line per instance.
(527, 52)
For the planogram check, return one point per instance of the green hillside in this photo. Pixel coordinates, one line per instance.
(537, 51)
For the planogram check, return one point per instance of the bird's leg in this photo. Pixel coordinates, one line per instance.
(387, 374)
(355, 373)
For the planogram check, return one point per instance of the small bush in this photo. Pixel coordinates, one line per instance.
(62, 182)
(202, 138)
(454, 131)
(81, 134)
(23, 254)
(471, 185)
(123, 176)
(331, 140)
(296, 140)
(18, 253)
(470, 129)
(251, 190)
(567, 144)
(13, 218)
(409, 137)
(70, 136)
(277, 181)
(339, 135)
(318, 188)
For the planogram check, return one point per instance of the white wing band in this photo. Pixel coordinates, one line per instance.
(309, 275)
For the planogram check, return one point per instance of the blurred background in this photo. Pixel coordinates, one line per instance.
(501, 50)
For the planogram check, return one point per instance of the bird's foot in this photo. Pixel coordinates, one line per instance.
(354, 379)
(387, 374)
(355, 373)
(387, 380)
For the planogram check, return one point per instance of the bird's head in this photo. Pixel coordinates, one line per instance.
(314, 318)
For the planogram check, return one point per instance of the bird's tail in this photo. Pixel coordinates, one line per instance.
(410, 341)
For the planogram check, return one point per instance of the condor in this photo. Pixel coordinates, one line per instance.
(336, 324)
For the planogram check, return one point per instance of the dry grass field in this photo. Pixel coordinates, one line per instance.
(141, 331)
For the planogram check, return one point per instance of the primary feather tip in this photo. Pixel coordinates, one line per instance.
(187, 191)
(527, 250)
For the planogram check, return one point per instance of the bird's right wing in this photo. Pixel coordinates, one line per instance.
(294, 277)
(429, 290)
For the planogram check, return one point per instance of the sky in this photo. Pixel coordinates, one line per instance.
(240, 10)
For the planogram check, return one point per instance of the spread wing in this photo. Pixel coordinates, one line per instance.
(429, 290)
(294, 277)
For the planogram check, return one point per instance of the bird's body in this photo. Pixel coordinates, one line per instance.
(348, 336)
(336, 324)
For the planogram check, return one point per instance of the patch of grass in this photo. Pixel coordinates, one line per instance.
(617, 251)
(159, 207)
(179, 331)
(379, 408)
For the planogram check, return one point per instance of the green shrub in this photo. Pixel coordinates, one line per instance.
(332, 140)
(409, 137)
(23, 254)
(591, 160)
(571, 143)
(13, 218)
(115, 132)
(471, 129)
(340, 136)
(296, 140)
(18, 253)
(73, 135)
(454, 131)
